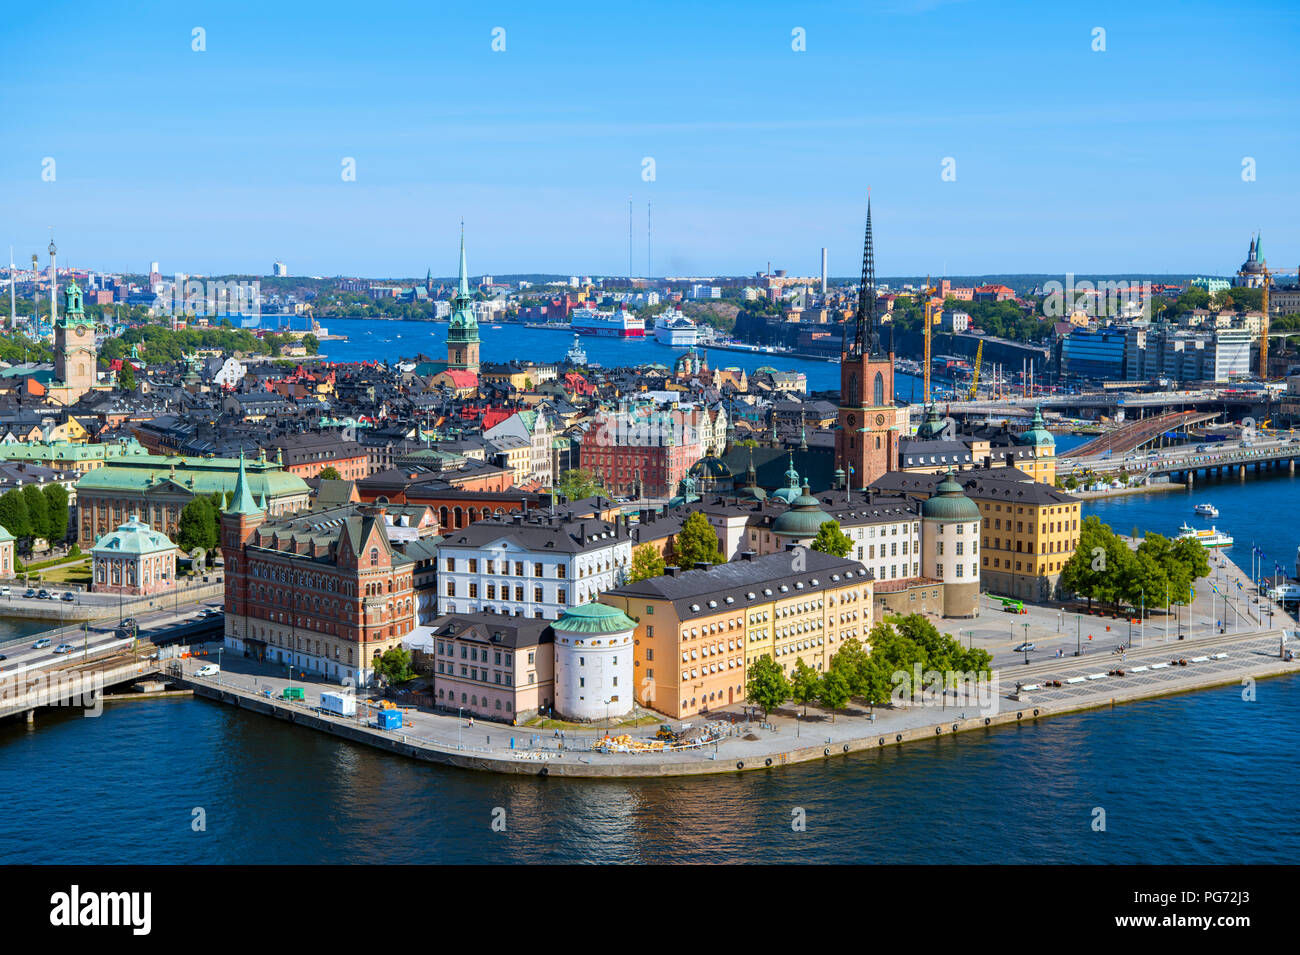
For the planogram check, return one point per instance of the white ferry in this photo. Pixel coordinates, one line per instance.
(1210, 538)
(1206, 510)
(620, 324)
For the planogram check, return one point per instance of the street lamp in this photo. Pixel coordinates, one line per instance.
(1026, 644)
(1078, 634)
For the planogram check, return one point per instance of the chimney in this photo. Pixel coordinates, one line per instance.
(671, 570)
(747, 555)
(703, 565)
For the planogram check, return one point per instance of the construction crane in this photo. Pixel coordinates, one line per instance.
(975, 378)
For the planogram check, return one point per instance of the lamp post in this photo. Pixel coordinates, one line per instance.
(1026, 644)
(460, 712)
(1078, 634)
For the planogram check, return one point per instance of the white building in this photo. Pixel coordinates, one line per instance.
(534, 565)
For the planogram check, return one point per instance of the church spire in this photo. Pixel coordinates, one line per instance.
(866, 340)
(463, 288)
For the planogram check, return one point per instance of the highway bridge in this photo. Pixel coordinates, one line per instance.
(1137, 434)
(1182, 464)
(1229, 402)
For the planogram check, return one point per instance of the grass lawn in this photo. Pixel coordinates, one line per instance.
(71, 574)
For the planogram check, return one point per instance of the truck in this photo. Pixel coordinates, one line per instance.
(388, 719)
(340, 704)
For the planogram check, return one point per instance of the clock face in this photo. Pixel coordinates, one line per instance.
(880, 419)
(852, 420)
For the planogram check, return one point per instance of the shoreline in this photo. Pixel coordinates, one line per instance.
(1248, 654)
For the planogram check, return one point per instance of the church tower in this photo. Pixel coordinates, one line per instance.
(462, 334)
(74, 349)
(867, 433)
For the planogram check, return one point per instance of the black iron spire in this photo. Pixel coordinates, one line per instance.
(866, 338)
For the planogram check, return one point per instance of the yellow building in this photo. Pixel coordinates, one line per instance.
(699, 630)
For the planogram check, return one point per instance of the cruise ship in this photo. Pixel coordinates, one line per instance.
(620, 324)
(675, 329)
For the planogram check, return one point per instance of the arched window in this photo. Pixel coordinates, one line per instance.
(878, 390)
(374, 557)
(853, 388)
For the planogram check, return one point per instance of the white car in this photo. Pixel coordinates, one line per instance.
(208, 669)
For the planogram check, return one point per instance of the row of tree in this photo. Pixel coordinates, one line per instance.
(898, 644)
(34, 511)
(1106, 569)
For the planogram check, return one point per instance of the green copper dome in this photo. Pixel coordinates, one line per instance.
(950, 504)
(932, 426)
(594, 619)
(1038, 436)
(804, 518)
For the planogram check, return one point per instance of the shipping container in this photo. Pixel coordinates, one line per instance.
(294, 693)
(339, 704)
(389, 719)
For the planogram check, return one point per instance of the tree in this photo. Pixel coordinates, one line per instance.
(195, 528)
(330, 473)
(833, 691)
(577, 483)
(395, 666)
(126, 377)
(1087, 572)
(696, 541)
(38, 509)
(56, 503)
(766, 685)
(14, 516)
(851, 661)
(806, 685)
(831, 540)
(647, 562)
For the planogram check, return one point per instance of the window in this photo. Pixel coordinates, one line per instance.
(374, 557)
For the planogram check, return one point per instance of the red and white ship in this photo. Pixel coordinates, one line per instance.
(620, 324)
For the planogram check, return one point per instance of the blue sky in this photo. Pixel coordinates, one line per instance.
(1066, 159)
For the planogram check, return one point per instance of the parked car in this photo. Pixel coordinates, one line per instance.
(3, 657)
(208, 669)
(63, 648)
(30, 592)
(69, 595)
(45, 595)
(42, 643)
(1025, 648)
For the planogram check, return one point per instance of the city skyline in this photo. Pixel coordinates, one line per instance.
(223, 159)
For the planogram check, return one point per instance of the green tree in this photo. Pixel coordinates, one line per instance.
(14, 516)
(766, 685)
(195, 528)
(577, 483)
(1091, 571)
(38, 508)
(330, 473)
(395, 666)
(56, 503)
(833, 691)
(805, 686)
(851, 661)
(696, 541)
(831, 540)
(647, 562)
(126, 377)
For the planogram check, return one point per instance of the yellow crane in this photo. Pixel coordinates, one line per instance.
(975, 378)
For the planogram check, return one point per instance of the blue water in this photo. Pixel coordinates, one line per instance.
(1200, 778)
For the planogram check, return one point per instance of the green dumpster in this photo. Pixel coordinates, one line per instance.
(294, 693)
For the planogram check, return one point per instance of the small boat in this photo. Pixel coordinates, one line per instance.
(1210, 538)
(1206, 510)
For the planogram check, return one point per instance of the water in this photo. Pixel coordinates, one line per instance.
(1200, 778)
(1197, 778)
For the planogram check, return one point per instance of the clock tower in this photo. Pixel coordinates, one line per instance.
(866, 438)
(74, 350)
(462, 331)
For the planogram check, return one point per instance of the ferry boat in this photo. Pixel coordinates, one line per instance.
(1206, 510)
(620, 324)
(1210, 538)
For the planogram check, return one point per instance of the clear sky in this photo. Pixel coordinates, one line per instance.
(1066, 159)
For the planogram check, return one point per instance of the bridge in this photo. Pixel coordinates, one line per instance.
(1136, 434)
(1182, 464)
(1132, 403)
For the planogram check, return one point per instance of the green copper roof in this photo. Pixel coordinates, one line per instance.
(243, 502)
(950, 503)
(137, 473)
(594, 619)
(1038, 435)
(804, 518)
(133, 539)
(463, 326)
(5, 536)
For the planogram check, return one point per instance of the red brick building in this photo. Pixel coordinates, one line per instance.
(324, 591)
